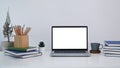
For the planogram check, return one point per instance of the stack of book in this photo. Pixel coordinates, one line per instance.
(112, 49)
(22, 52)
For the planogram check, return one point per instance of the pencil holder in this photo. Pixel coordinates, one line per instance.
(21, 41)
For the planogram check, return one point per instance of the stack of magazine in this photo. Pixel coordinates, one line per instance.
(22, 52)
(112, 49)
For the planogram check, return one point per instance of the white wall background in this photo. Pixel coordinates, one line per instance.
(101, 16)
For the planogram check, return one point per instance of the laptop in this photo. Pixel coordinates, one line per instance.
(69, 41)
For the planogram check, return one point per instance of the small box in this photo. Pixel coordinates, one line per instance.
(21, 41)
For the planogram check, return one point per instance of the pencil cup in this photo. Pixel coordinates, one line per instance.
(21, 41)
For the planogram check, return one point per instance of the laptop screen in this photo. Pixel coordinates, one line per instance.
(69, 37)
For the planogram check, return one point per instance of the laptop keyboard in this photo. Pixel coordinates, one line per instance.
(70, 52)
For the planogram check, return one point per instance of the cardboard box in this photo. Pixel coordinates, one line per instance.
(21, 41)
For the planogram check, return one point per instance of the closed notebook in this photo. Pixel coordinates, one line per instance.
(112, 43)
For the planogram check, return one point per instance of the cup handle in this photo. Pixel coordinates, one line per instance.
(101, 46)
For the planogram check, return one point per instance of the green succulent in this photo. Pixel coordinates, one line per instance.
(41, 44)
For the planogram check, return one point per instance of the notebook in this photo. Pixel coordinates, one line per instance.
(69, 41)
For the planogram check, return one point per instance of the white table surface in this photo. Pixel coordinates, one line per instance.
(45, 61)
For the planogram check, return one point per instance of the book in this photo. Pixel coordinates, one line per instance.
(111, 47)
(111, 55)
(15, 52)
(116, 50)
(23, 49)
(112, 43)
(24, 56)
(111, 52)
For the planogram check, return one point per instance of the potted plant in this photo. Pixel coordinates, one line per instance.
(7, 32)
(41, 46)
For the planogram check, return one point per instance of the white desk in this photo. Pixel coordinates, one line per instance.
(45, 61)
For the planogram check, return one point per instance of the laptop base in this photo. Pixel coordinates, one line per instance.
(69, 54)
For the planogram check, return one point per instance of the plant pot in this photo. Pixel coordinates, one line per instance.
(41, 49)
(6, 45)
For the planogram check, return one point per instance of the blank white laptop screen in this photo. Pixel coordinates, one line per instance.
(70, 38)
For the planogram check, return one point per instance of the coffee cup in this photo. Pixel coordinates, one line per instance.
(96, 46)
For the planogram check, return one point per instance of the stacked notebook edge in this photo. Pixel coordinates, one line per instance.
(22, 53)
(112, 49)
